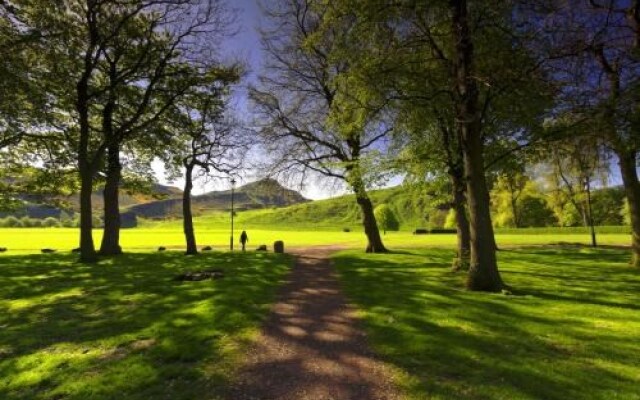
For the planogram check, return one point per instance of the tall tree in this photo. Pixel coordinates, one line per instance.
(212, 144)
(464, 66)
(304, 125)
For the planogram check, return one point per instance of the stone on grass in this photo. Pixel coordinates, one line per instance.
(193, 276)
(3, 249)
(76, 250)
(207, 248)
(262, 247)
(162, 248)
(48, 251)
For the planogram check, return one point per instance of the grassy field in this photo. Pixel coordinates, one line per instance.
(570, 331)
(31, 240)
(123, 329)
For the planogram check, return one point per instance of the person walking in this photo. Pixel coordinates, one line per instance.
(244, 239)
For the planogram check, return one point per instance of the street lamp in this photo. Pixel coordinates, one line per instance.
(233, 186)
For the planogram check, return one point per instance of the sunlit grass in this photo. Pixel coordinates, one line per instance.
(30, 240)
(124, 329)
(570, 331)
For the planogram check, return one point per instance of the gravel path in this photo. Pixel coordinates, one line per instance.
(311, 347)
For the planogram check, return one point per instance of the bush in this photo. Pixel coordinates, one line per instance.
(386, 218)
(28, 222)
(97, 222)
(12, 222)
(50, 222)
(69, 223)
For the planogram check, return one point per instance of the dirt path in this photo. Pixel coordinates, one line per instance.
(311, 347)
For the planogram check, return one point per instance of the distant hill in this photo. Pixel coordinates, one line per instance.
(45, 206)
(266, 193)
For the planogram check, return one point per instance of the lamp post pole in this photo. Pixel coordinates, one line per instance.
(233, 185)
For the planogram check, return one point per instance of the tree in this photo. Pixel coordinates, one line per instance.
(587, 41)
(212, 143)
(128, 62)
(464, 69)
(386, 218)
(303, 124)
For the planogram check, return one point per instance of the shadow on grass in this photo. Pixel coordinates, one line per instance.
(124, 328)
(574, 332)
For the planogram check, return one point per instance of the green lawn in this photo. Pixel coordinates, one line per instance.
(31, 240)
(123, 329)
(570, 331)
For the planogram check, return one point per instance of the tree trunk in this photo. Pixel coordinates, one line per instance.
(187, 217)
(483, 268)
(627, 163)
(374, 241)
(461, 262)
(111, 233)
(87, 249)
(86, 168)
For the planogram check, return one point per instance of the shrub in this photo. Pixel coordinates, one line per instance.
(12, 222)
(97, 222)
(386, 218)
(27, 222)
(50, 222)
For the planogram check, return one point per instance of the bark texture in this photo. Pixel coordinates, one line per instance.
(627, 163)
(461, 262)
(87, 248)
(483, 268)
(187, 216)
(374, 240)
(111, 233)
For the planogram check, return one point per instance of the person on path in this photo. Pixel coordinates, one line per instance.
(244, 239)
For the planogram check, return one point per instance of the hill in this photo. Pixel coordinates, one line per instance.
(265, 193)
(344, 212)
(43, 206)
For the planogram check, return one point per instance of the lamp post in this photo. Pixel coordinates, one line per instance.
(233, 186)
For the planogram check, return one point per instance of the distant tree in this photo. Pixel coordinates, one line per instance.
(386, 218)
(607, 203)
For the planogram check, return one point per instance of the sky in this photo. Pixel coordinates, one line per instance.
(245, 46)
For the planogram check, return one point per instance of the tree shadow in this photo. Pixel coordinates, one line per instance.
(124, 328)
(555, 341)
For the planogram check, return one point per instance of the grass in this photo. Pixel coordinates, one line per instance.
(31, 240)
(123, 329)
(572, 331)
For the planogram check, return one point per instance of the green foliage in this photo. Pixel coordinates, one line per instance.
(535, 212)
(448, 343)
(386, 218)
(626, 214)
(12, 222)
(517, 202)
(51, 222)
(450, 221)
(606, 204)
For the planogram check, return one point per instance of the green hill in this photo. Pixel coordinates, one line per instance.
(339, 212)
(331, 214)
